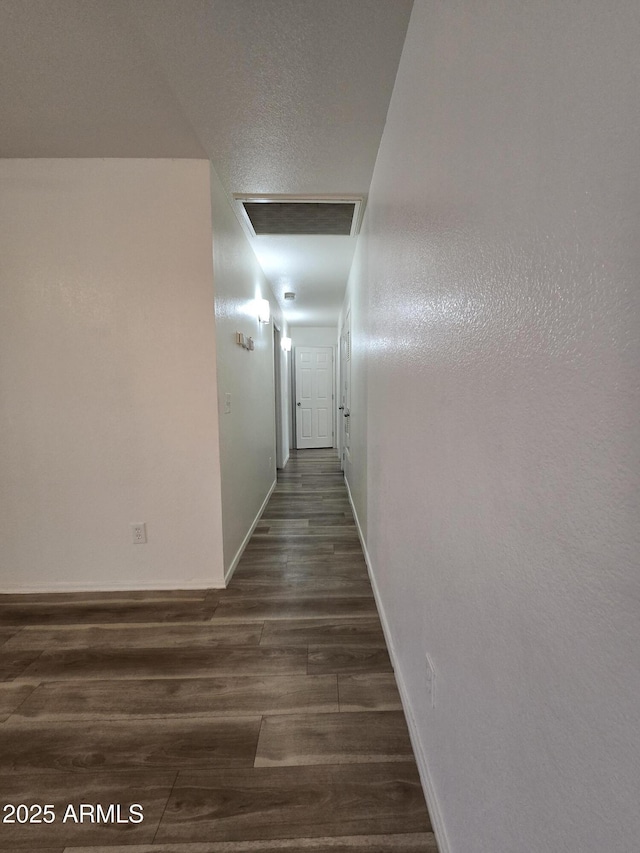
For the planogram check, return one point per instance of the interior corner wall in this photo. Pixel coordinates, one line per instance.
(107, 376)
(499, 316)
(247, 422)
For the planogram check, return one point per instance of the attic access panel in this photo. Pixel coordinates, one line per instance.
(263, 216)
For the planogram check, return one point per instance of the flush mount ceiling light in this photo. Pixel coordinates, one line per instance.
(285, 343)
(263, 215)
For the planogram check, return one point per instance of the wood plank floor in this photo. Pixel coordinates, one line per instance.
(260, 718)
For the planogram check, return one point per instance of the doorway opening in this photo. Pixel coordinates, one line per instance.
(344, 407)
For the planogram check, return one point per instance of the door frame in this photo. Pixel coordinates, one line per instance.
(344, 393)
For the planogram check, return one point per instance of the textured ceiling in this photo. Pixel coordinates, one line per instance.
(283, 96)
(314, 268)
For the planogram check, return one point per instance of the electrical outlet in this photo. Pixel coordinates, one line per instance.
(431, 681)
(139, 533)
(227, 404)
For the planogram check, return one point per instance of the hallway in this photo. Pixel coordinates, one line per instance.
(447, 197)
(236, 715)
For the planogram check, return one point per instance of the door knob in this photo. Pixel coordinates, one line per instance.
(340, 408)
(347, 415)
(298, 404)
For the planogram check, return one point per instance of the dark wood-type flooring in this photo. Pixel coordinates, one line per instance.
(263, 717)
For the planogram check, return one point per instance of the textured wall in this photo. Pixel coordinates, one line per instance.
(499, 316)
(107, 376)
(247, 433)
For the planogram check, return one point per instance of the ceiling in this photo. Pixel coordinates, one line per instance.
(283, 96)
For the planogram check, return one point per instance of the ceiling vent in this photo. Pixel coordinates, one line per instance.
(298, 215)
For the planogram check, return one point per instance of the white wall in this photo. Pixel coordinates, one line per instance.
(247, 433)
(313, 336)
(498, 309)
(107, 376)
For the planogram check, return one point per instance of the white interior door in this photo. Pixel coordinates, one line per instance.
(314, 397)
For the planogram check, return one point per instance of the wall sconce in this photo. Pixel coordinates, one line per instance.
(263, 310)
(285, 343)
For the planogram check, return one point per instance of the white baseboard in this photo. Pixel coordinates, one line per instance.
(234, 563)
(425, 777)
(100, 586)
